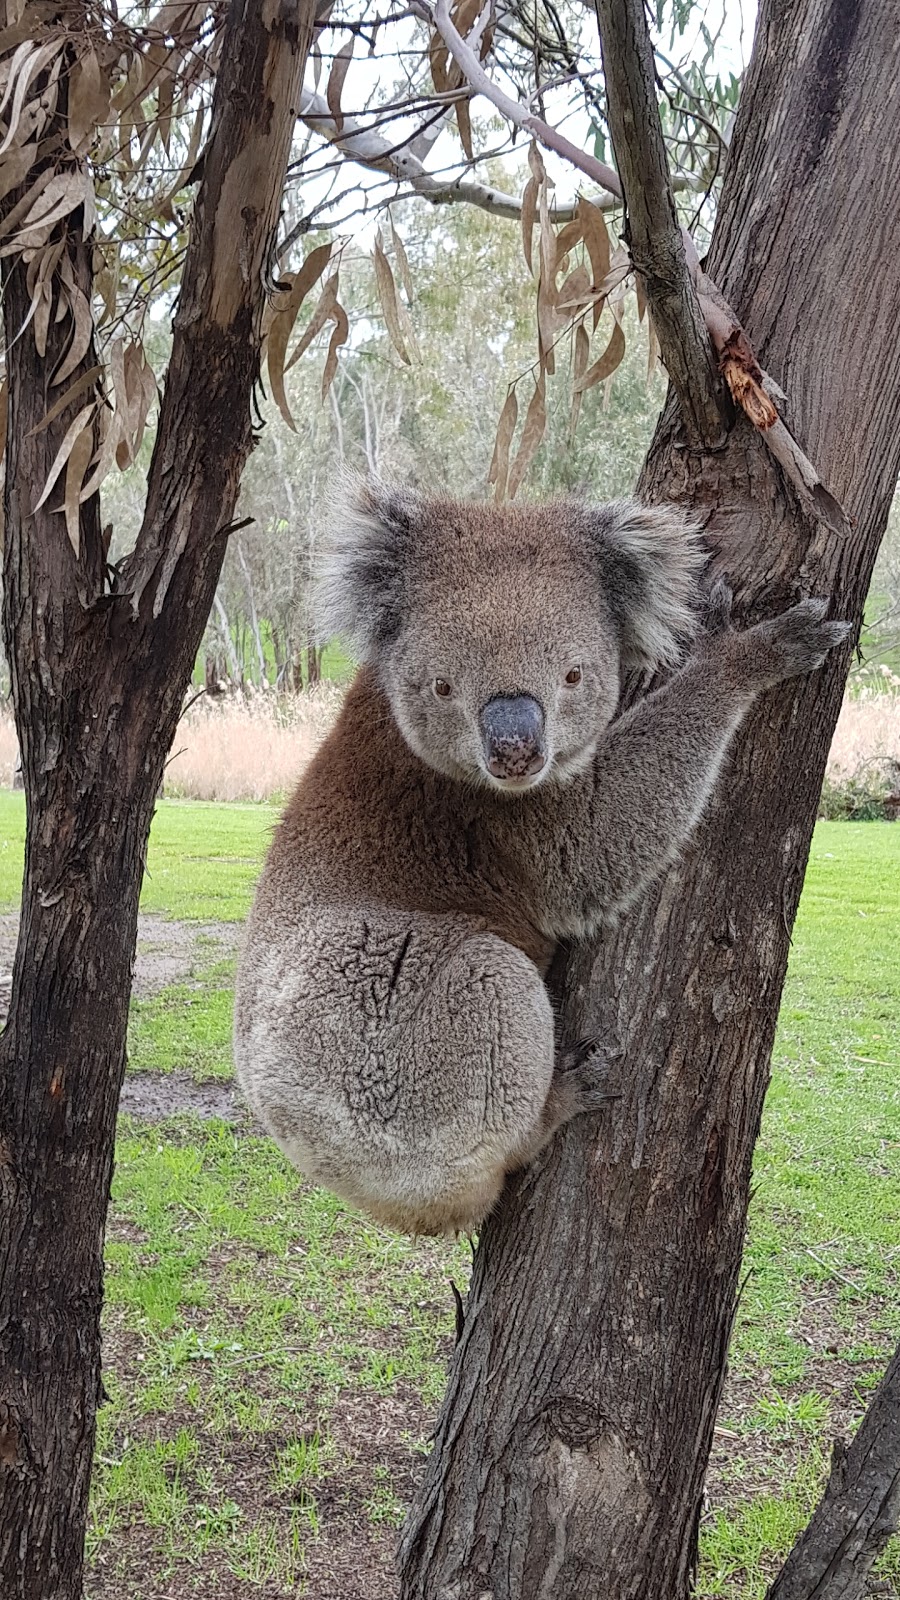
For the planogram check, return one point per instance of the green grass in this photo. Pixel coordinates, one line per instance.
(256, 1330)
(187, 1026)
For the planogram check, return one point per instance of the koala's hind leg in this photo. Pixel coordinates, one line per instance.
(403, 1060)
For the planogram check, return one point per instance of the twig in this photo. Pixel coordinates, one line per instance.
(465, 57)
(826, 1266)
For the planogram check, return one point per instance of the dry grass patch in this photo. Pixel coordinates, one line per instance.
(251, 747)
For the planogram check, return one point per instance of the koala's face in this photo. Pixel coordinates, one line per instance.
(506, 675)
(500, 634)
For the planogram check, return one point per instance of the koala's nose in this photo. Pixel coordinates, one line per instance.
(512, 728)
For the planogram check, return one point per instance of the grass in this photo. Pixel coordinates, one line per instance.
(274, 1362)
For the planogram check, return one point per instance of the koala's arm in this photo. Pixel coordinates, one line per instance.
(656, 767)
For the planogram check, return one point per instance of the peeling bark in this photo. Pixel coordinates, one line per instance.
(572, 1446)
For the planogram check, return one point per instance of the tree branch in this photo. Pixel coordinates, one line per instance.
(858, 1512)
(653, 232)
(467, 60)
(371, 149)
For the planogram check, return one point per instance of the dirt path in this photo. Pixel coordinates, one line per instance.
(167, 953)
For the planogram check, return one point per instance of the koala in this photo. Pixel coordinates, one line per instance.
(477, 800)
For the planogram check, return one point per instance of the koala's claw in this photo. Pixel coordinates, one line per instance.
(797, 641)
(717, 617)
(587, 1066)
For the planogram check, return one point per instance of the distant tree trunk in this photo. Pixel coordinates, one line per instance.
(313, 665)
(98, 683)
(572, 1446)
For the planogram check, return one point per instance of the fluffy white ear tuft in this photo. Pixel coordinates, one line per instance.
(651, 559)
(360, 570)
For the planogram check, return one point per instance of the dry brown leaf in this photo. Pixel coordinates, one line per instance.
(134, 404)
(408, 331)
(322, 313)
(402, 260)
(640, 295)
(438, 56)
(89, 96)
(336, 81)
(464, 124)
(76, 467)
(581, 350)
(140, 386)
(566, 239)
(387, 294)
(64, 192)
(596, 238)
(29, 66)
(506, 427)
(309, 274)
(15, 167)
(549, 324)
(339, 337)
(81, 336)
(62, 455)
(165, 105)
(72, 393)
(529, 217)
(607, 363)
(575, 294)
(110, 433)
(22, 207)
(282, 325)
(106, 282)
(14, 67)
(39, 282)
(532, 434)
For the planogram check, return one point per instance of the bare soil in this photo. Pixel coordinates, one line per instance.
(167, 952)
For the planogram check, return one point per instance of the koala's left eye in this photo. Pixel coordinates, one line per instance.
(442, 688)
(573, 675)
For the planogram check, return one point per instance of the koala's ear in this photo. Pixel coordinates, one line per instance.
(650, 560)
(362, 567)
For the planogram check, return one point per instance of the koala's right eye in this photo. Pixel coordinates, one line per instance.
(442, 688)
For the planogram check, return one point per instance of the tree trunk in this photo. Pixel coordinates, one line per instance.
(574, 1438)
(98, 683)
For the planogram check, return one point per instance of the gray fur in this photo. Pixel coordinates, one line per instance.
(392, 1028)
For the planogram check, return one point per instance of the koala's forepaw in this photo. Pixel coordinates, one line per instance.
(796, 642)
(589, 1068)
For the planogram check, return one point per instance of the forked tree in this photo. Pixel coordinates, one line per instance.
(572, 1446)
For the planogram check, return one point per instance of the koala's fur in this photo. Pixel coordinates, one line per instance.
(393, 1030)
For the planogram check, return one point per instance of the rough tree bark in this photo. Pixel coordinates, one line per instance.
(99, 676)
(572, 1445)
